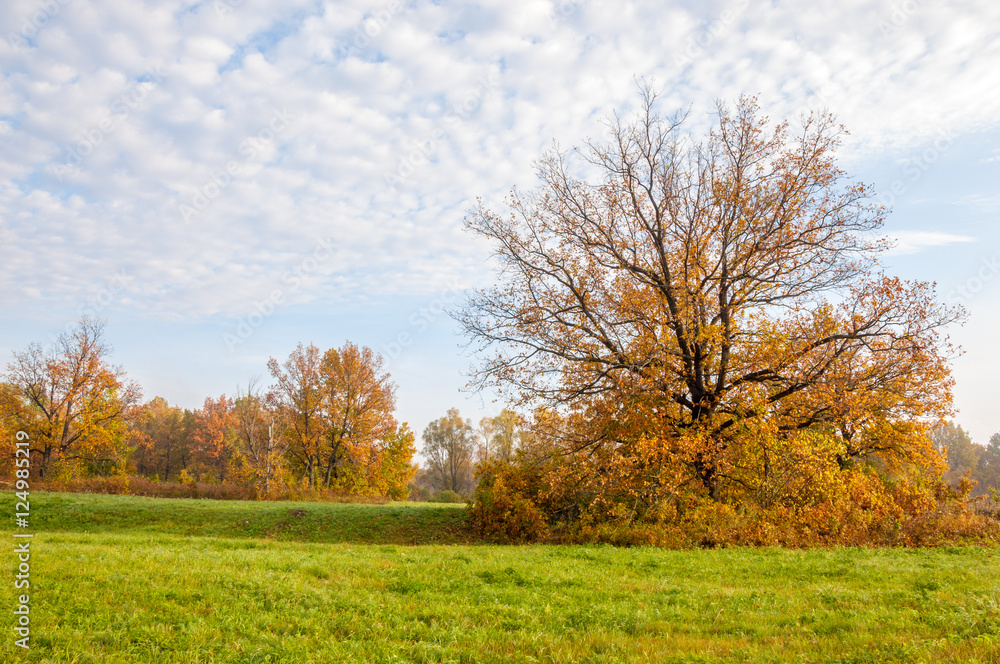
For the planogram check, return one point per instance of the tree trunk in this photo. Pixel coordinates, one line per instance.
(708, 476)
(329, 470)
(45, 462)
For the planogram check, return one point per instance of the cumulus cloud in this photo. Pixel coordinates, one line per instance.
(204, 148)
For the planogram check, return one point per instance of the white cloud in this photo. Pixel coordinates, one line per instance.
(360, 109)
(368, 81)
(911, 242)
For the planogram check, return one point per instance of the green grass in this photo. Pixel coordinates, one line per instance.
(123, 579)
(395, 523)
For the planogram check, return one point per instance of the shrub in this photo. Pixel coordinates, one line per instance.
(858, 506)
(501, 512)
(447, 496)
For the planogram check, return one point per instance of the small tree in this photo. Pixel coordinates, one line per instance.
(300, 397)
(449, 446)
(359, 399)
(499, 436)
(956, 444)
(70, 400)
(259, 434)
(966, 458)
(988, 473)
(392, 464)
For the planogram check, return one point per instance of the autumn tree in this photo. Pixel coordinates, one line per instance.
(302, 399)
(361, 434)
(9, 403)
(71, 401)
(259, 434)
(212, 438)
(709, 314)
(500, 436)
(388, 463)
(164, 439)
(449, 445)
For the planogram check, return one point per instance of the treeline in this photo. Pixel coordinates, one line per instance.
(454, 450)
(325, 427)
(968, 460)
(326, 423)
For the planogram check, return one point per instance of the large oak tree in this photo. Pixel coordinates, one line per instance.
(709, 311)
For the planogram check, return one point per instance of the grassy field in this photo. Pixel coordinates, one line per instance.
(125, 579)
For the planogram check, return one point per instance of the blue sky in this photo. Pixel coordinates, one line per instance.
(223, 179)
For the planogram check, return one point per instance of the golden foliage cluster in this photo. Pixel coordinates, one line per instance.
(710, 344)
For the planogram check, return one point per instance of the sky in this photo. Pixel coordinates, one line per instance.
(220, 180)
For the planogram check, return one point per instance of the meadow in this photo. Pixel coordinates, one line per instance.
(130, 579)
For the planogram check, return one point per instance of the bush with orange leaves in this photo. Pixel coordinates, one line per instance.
(502, 511)
(617, 496)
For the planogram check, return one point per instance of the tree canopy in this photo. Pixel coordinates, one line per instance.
(449, 446)
(709, 311)
(70, 400)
